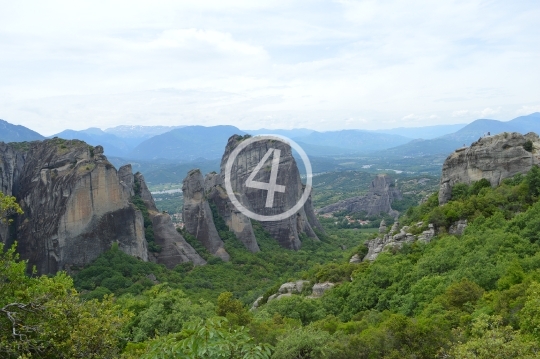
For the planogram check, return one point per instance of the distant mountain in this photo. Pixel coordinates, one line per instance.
(113, 145)
(186, 143)
(426, 133)
(354, 140)
(17, 133)
(297, 132)
(140, 132)
(464, 137)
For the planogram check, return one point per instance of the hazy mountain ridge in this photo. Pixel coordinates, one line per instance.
(464, 137)
(17, 133)
(425, 132)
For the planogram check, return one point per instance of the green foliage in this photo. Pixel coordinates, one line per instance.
(212, 338)
(232, 309)
(305, 343)
(490, 339)
(43, 317)
(8, 208)
(161, 311)
(295, 307)
(528, 146)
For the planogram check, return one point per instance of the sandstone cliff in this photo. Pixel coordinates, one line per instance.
(174, 248)
(378, 200)
(75, 204)
(287, 231)
(493, 158)
(197, 215)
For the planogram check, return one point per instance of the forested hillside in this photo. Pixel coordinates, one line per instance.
(471, 296)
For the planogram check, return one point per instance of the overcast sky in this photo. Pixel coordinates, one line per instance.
(324, 65)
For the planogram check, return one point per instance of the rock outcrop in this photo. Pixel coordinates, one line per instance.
(174, 248)
(197, 215)
(75, 203)
(395, 239)
(493, 158)
(320, 288)
(286, 231)
(234, 219)
(382, 193)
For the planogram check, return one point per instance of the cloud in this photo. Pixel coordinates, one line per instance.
(460, 113)
(526, 110)
(240, 61)
(489, 112)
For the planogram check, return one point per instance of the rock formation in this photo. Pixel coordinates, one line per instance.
(378, 200)
(287, 231)
(493, 158)
(395, 238)
(235, 220)
(75, 203)
(174, 248)
(320, 288)
(197, 215)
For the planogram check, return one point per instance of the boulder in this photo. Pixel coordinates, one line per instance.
(458, 227)
(293, 287)
(319, 289)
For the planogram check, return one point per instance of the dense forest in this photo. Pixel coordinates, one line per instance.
(476, 295)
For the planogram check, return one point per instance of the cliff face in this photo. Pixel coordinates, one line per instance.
(75, 204)
(493, 158)
(198, 217)
(174, 248)
(235, 220)
(378, 200)
(287, 231)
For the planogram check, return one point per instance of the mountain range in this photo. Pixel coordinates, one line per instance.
(170, 151)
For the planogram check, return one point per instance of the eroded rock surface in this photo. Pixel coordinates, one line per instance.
(286, 231)
(74, 206)
(319, 289)
(395, 238)
(493, 158)
(197, 215)
(378, 200)
(75, 203)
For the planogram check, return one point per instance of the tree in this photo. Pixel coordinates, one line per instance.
(212, 338)
(491, 340)
(232, 309)
(8, 207)
(304, 343)
(43, 317)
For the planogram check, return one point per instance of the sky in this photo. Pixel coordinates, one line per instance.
(323, 65)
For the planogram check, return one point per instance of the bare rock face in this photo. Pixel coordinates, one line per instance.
(493, 158)
(197, 215)
(378, 200)
(395, 240)
(293, 287)
(174, 248)
(74, 205)
(319, 289)
(235, 220)
(287, 231)
(458, 227)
